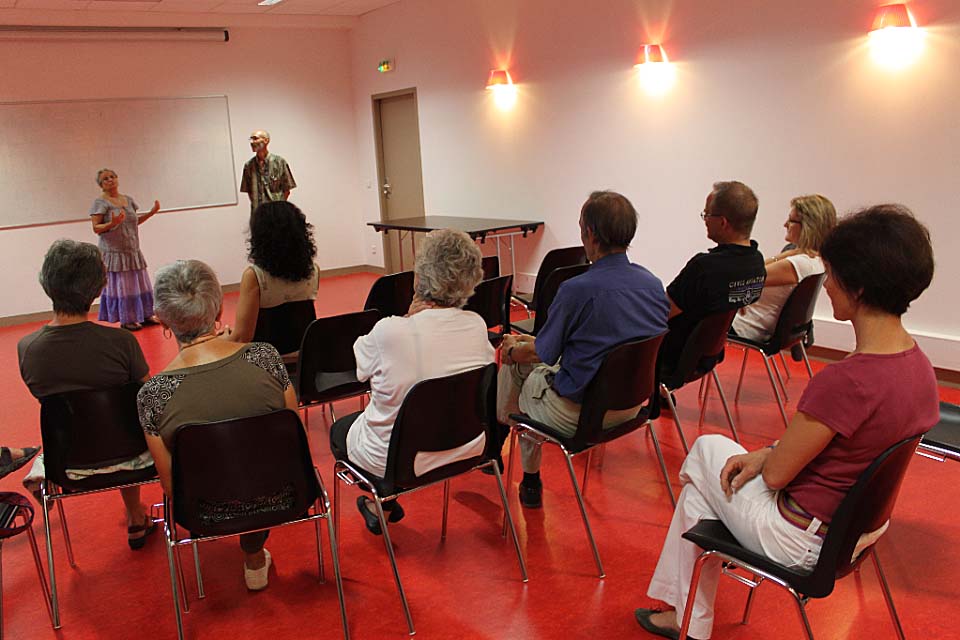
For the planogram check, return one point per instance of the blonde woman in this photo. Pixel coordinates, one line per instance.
(810, 219)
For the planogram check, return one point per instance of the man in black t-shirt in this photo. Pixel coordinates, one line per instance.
(729, 276)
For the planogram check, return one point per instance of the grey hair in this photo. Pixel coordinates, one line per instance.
(72, 275)
(103, 171)
(447, 268)
(187, 298)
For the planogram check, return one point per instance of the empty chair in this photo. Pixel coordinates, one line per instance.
(626, 379)
(87, 430)
(327, 369)
(702, 352)
(793, 326)
(555, 259)
(491, 267)
(865, 508)
(545, 297)
(441, 422)
(391, 295)
(13, 506)
(943, 440)
(491, 301)
(243, 476)
(283, 326)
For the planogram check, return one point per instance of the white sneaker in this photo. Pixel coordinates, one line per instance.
(256, 579)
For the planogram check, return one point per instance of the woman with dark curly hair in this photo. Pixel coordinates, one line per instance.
(282, 270)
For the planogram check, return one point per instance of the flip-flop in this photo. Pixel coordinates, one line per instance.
(148, 527)
(8, 465)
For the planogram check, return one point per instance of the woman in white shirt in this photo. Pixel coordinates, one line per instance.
(436, 338)
(810, 220)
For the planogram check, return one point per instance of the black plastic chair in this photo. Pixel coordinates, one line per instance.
(555, 259)
(87, 430)
(283, 326)
(327, 369)
(241, 476)
(13, 506)
(627, 378)
(391, 295)
(491, 301)
(943, 441)
(701, 354)
(793, 326)
(437, 415)
(545, 298)
(866, 507)
(491, 267)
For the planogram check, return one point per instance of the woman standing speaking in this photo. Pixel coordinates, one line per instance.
(128, 296)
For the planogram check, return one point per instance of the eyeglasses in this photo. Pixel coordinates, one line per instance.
(704, 215)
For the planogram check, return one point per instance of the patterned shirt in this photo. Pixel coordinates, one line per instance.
(267, 181)
(247, 383)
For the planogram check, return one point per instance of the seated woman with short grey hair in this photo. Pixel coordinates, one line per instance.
(73, 354)
(210, 379)
(436, 338)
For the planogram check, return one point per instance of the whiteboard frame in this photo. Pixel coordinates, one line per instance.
(233, 158)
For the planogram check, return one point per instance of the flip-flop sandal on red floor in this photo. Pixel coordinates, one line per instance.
(8, 465)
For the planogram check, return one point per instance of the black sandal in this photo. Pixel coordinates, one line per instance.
(8, 465)
(148, 527)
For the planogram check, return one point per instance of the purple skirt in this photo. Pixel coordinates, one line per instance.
(127, 298)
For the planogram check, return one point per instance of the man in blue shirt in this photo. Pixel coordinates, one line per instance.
(612, 303)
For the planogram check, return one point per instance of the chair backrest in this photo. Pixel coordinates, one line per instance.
(241, 474)
(326, 360)
(555, 259)
(283, 326)
(703, 349)
(796, 317)
(491, 301)
(627, 378)
(441, 414)
(549, 291)
(90, 429)
(491, 267)
(865, 508)
(944, 437)
(391, 294)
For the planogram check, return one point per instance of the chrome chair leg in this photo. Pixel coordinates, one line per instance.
(583, 513)
(171, 564)
(66, 534)
(333, 415)
(663, 465)
(726, 407)
(43, 579)
(446, 508)
(776, 393)
(700, 390)
(183, 581)
(743, 368)
(509, 518)
(676, 419)
(705, 382)
(886, 594)
(586, 472)
(316, 523)
(514, 452)
(393, 561)
(54, 598)
(306, 418)
(776, 370)
(806, 360)
(335, 553)
(750, 594)
(802, 608)
(196, 567)
(692, 593)
(336, 503)
(786, 370)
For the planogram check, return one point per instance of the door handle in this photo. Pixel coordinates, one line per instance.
(387, 190)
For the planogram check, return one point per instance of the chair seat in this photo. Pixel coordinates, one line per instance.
(572, 443)
(333, 386)
(524, 326)
(945, 435)
(109, 480)
(773, 346)
(713, 535)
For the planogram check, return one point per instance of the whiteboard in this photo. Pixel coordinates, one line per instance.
(175, 150)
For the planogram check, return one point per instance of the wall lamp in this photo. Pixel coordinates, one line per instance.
(504, 91)
(895, 39)
(654, 69)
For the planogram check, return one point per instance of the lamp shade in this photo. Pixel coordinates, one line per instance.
(651, 53)
(499, 78)
(893, 15)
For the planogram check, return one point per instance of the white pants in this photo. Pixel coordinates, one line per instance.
(752, 516)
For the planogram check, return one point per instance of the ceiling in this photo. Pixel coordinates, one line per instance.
(208, 7)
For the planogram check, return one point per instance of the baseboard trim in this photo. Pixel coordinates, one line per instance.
(47, 316)
(947, 377)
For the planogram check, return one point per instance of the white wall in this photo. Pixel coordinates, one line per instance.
(780, 95)
(293, 82)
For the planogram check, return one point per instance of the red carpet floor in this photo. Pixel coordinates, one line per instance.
(469, 585)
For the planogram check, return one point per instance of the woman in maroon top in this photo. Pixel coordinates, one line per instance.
(779, 500)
